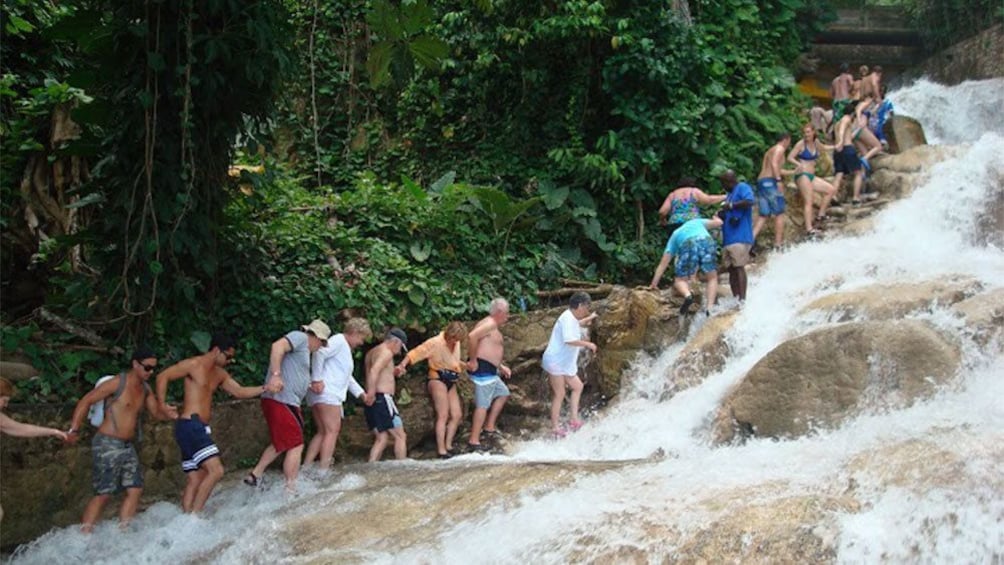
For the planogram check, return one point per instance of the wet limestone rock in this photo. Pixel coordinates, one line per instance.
(903, 133)
(704, 353)
(630, 321)
(891, 302)
(984, 316)
(828, 375)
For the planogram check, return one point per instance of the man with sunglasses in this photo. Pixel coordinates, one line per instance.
(116, 462)
(203, 374)
(289, 366)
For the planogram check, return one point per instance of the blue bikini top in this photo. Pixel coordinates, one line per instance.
(805, 155)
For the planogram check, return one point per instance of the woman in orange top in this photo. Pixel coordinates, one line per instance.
(443, 354)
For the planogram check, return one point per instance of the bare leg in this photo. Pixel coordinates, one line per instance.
(314, 449)
(379, 443)
(477, 422)
(737, 282)
(858, 178)
(711, 289)
(266, 459)
(456, 414)
(194, 480)
(400, 442)
(682, 285)
(758, 225)
(129, 506)
(828, 191)
(557, 398)
(779, 230)
(92, 512)
(332, 417)
(291, 465)
(659, 270)
(575, 384)
(441, 404)
(493, 414)
(805, 187)
(213, 468)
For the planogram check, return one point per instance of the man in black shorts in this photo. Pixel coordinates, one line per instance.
(382, 415)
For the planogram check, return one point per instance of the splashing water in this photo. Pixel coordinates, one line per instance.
(605, 498)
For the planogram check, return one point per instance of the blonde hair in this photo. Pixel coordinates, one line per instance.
(456, 331)
(6, 388)
(360, 326)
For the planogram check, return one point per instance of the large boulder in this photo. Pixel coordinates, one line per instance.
(903, 133)
(891, 302)
(825, 376)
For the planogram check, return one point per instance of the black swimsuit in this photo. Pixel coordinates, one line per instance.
(448, 377)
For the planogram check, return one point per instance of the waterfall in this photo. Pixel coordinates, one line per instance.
(641, 476)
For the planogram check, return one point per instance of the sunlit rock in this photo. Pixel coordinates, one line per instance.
(893, 301)
(821, 378)
(903, 133)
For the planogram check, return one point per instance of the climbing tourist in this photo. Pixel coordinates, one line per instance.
(289, 375)
(737, 231)
(694, 249)
(804, 155)
(858, 83)
(561, 360)
(203, 374)
(846, 160)
(840, 91)
(382, 416)
(113, 448)
(484, 365)
(682, 204)
(331, 380)
(443, 354)
(770, 190)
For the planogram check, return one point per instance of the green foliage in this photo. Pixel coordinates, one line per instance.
(943, 23)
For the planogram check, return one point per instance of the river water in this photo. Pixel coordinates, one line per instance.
(642, 482)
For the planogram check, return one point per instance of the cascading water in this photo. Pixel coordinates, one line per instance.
(601, 495)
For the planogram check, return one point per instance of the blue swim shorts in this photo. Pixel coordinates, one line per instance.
(696, 253)
(769, 201)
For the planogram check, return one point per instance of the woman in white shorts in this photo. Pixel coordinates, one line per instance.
(561, 360)
(331, 379)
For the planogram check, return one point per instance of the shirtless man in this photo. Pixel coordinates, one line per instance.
(116, 463)
(484, 365)
(770, 190)
(381, 414)
(857, 84)
(845, 158)
(870, 84)
(203, 374)
(840, 91)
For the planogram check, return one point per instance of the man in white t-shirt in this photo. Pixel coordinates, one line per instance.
(561, 360)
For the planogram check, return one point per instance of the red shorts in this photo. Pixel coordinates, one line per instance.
(285, 424)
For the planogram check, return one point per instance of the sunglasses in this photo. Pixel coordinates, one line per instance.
(148, 368)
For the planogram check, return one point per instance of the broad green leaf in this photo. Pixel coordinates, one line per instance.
(420, 251)
(428, 50)
(444, 182)
(378, 63)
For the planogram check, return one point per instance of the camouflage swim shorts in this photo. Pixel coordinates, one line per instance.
(116, 465)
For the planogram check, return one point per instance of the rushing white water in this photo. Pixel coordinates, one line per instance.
(927, 237)
(953, 114)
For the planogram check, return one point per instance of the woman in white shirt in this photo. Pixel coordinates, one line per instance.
(331, 378)
(561, 360)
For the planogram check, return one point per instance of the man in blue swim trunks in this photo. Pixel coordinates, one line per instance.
(203, 375)
(770, 189)
(382, 415)
(694, 249)
(484, 365)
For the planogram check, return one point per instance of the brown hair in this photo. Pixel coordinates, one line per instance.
(359, 326)
(6, 388)
(455, 330)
